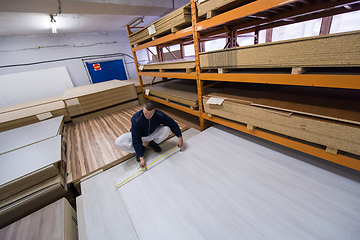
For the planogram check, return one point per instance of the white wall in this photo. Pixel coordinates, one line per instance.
(23, 50)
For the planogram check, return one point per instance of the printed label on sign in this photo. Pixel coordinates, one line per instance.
(147, 92)
(96, 66)
(215, 100)
(141, 67)
(152, 30)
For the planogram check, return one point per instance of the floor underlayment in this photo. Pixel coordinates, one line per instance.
(222, 186)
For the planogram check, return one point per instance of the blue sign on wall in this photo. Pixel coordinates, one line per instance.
(106, 71)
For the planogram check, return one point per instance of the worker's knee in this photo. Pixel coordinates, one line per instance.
(124, 142)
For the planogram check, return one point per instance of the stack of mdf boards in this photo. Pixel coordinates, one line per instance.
(55, 221)
(31, 112)
(329, 117)
(175, 20)
(333, 50)
(187, 64)
(219, 6)
(89, 98)
(32, 170)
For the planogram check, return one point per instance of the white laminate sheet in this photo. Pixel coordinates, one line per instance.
(29, 134)
(225, 187)
(26, 160)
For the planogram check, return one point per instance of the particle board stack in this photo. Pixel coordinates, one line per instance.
(211, 7)
(178, 90)
(146, 82)
(318, 121)
(32, 170)
(333, 50)
(55, 221)
(27, 113)
(178, 19)
(89, 98)
(187, 64)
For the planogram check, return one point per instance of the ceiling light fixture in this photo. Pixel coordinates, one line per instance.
(137, 21)
(53, 23)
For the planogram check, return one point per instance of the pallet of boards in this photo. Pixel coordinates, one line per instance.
(32, 112)
(174, 21)
(214, 7)
(29, 166)
(57, 220)
(238, 106)
(93, 97)
(332, 50)
(185, 64)
(31, 200)
(180, 91)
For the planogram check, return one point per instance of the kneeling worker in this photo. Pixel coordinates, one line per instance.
(148, 125)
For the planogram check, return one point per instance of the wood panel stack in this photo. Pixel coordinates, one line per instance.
(333, 50)
(187, 64)
(32, 171)
(294, 111)
(55, 221)
(213, 7)
(31, 112)
(174, 21)
(89, 98)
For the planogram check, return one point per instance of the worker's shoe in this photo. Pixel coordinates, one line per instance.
(155, 146)
(137, 157)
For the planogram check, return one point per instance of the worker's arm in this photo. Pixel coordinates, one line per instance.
(181, 142)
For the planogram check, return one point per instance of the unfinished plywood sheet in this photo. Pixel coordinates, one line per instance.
(309, 102)
(55, 221)
(225, 187)
(333, 50)
(23, 136)
(172, 22)
(91, 143)
(185, 63)
(28, 166)
(84, 99)
(147, 81)
(102, 210)
(328, 133)
(213, 7)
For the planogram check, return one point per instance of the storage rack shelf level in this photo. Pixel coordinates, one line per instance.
(255, 16)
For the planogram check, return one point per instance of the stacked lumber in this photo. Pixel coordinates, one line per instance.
(333, 50)
(174, 21)
(187, 64)
(179, 91)
(330, 122)
(27, 113)
(55, 221)
(213, 7)
(89, 98)
(32, 171)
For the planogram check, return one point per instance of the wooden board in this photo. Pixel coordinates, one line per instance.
(82, 234)
(314, 130)
(219, 6)
(187, 63)
(55, 221)
(91, 144)
(102, 211)
(300, 101)
(146, 82)
(333, 50)
(28, 115)
(84, 99)
(23, 136)
(239, 183)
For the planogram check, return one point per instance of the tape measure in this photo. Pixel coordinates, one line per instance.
(144, 169)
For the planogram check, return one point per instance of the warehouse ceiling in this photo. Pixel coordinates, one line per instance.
(32, 17)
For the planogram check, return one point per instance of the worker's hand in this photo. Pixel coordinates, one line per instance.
(181, 142)
(142, 162)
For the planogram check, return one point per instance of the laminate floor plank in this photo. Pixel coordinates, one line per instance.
(104, 213)
(226, 187)
(91, 143)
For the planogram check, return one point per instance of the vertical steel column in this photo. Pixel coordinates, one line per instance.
(136, 63)
(196, 36)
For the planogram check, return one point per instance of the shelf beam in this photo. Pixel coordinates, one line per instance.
(331, 81)
(173, 105)
(317, 152)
